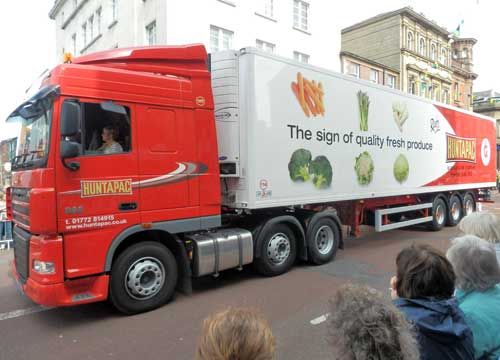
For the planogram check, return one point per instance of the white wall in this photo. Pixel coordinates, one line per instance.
(188, 21)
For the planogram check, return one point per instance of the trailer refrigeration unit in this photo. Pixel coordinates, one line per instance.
(140, 168)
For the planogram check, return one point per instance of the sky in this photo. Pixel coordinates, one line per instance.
(28, 39)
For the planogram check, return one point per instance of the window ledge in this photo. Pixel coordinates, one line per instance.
(90, 43)
(266, 17)
(113, 23)
(227, 2)
(304, 31)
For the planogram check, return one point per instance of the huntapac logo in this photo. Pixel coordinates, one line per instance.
(460, 149)
(106, 187)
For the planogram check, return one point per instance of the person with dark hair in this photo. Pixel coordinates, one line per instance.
(110, 145)
(423, 290)
(365, 325)
(236, 334)
(478, 293)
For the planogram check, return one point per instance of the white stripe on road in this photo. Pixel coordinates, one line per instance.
(23, 312)
(320, 319)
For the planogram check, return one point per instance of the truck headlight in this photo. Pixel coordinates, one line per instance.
(44, 267)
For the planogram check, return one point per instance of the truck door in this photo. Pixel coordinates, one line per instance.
(100, 198)
(168, 149)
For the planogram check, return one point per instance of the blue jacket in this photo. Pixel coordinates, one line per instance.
(482, 313)
(441, 329)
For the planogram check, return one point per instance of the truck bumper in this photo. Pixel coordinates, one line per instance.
(68, 293)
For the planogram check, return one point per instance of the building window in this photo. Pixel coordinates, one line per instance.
(151, 33)
(465, 53)
(421, 46)
(98, 15)
(374, 76)
(445, 96)
(220, 39)
(455, 92)
(433, 52)
(84, 34)
(114, 10)
(73, 44)
(91, 28)
(300, 15)
(409, 41)
(353, 69)
(434, 92)
(264, 45)
(267, 8)
(391, 81)
(423, 89)
(444, 56)
(298, 56)
(412, 86)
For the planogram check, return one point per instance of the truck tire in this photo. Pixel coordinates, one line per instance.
(143, 278)
(278, 250)
(439, 214)
(455, 211)
(469, 204)
(323, 238)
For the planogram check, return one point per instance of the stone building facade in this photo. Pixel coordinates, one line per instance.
(426, 59)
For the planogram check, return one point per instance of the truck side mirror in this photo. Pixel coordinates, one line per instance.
(71, 115)
(70, 149)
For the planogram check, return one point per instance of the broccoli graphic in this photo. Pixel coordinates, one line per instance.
(299, 165)
(322, 170)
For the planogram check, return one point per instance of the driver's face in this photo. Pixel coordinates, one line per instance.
(106, 135)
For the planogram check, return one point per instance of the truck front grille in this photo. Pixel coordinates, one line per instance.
(21, 252)
(21, 206)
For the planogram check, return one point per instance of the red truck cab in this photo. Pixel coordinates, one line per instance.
(116, 147)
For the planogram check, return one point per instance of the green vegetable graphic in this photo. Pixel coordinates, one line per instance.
(400, 112)
(298, 166)
(401, 168)
(364, 168)
(364, 104)
(321, 169)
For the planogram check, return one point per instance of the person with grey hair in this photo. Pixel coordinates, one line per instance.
(485, 225)
(478, 292)
(366, 325)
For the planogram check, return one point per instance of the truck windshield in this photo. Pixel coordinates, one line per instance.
(35, 118)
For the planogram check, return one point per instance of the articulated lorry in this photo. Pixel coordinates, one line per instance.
(140, 169)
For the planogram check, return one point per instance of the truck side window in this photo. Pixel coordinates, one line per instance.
(105, 132)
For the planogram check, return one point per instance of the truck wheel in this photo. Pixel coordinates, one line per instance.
(438, 214)
(278, 251)
(455, 211)
(323, 241)
(143, 278)
(469, 204)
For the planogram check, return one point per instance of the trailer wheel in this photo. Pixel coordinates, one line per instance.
(469, 204)
(143, 278)
(323, 240)
(455, 211)
(439, 214)
(278, 250)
